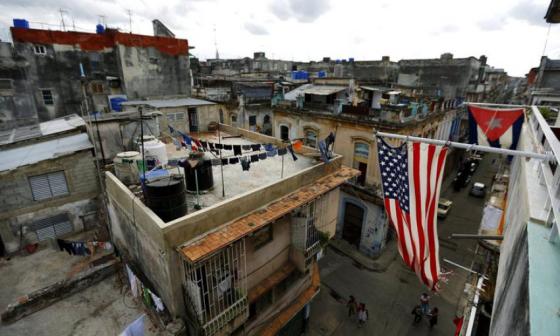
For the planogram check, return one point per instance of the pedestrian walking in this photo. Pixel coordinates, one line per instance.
(352, 306)
(363, 314)
(417, 312)
(433, 315)
(425, 303)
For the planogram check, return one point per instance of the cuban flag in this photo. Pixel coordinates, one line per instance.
(495, 127)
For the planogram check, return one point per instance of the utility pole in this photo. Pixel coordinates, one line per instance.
(62, 11)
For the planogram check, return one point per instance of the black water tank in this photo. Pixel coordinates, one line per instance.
(167, 197)
(203, 173)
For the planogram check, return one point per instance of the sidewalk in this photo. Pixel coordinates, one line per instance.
(379, 264)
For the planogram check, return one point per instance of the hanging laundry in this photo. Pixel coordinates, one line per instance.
(254, 158)
(132, 281)
(136, 328)
(204, 145)
(272, 153)
(282, 151)
(171, 130)
(157, 302)
(323, 149)
(211, 145)
(177, 144)
(198, 145)
(206, 163)
(219, 146)
(246, 147)
(228, 147)
(268, 147)
(291, 150)
(224, 162)
(297, 145)
(216, 162)
(262, 156)
(233, 160)
(236, 149)
(66, 246)
(329, 140)
(245, 163)
(256, 147)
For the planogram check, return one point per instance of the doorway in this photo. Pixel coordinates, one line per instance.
(352, 226)
(284, 132)
(193, 119)
(361, 179)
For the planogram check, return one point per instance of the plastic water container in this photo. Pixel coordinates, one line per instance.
(155, 149)
(99, 29)
(125, 167)
(21, 23)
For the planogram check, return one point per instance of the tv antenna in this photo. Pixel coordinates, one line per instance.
(62, 11)
(129, 20)
(216, 43)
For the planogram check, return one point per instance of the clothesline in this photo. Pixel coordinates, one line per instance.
(82, 247)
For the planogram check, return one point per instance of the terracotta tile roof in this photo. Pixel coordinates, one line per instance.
(287, 314)
(243, 226)
(270, 282)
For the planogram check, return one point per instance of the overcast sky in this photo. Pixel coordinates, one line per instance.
(511, 33)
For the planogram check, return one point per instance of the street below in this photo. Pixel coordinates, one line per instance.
(390, 296)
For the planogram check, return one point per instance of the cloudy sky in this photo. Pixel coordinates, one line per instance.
(511, 33)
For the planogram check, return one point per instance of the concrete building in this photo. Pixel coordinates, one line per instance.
(49, 183)
(245, 261)
(67, 69)
(311, 112)
(544, 84)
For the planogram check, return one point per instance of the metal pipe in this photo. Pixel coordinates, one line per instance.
(221, 163)
(144, 164)
(476, 236)
(545, 157)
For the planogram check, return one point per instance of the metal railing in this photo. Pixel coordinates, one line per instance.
(549, 175)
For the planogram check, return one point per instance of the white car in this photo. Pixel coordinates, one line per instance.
(443, 207)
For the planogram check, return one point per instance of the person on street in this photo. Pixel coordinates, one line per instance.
(352, 306)
(425, 303)
(417, 312)
(362, 314)
(432, 316)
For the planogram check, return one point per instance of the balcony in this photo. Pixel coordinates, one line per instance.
(216, 289)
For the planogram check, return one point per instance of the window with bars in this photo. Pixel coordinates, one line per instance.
(217, 287)
(175, 116)
(52, 227)
(40, 49)
(97, 88)
(262, 236)
(305, 235)
(48, 185)
(47, 96)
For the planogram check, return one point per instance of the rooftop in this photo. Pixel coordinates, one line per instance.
(176, 102)
(235, 180)
(268, 213)
(55, 126)
(36, 152)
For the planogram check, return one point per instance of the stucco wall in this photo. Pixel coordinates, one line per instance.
(18, 209)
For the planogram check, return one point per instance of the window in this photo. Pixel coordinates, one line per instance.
(6, 84)
(262, 237)
(51, 227)
(266, 119)
(48, 185)
(252, 120)
(310, 138)
(153, 60)
(260, 304)
(234, 119)
(221, 116)
(284, 132)
(40, 50)
(97, 87)
(47, 97)
(361, 155)
(175, 116)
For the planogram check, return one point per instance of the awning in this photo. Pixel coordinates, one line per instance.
(393, 92)
(324, 90)
(257, 219)
(371, 88)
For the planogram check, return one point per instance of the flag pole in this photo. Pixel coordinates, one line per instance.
(549, 157)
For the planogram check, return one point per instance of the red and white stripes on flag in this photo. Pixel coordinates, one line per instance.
(411, 176)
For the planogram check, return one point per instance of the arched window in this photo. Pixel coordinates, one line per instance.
(284, 132)
(266, 119)
(361, 156)
(310, 138)
(233, 119)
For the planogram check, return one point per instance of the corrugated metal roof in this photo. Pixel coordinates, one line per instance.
(54, 126)
(292, 95)
(324, 90)
(13, 158)
(371, 88)
(157, 103)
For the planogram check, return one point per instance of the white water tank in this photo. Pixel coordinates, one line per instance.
(155, 149)
(126, 168)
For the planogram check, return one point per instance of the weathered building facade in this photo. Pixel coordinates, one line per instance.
(65, 70)
(245, 262)
(49, 183)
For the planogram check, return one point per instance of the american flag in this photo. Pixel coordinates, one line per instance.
(411, 175)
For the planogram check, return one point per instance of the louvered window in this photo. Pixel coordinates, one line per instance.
(48, 185)
(52, 227)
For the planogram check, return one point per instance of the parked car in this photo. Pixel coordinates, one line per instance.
(443, 207)
(478, 189)
(462, 179)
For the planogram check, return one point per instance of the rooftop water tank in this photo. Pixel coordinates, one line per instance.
(125, 167)
(155, 149)
(202, 171)
(99, 29)
(21, 23)
(167, 197)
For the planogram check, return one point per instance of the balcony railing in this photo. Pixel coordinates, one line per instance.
(549, 175)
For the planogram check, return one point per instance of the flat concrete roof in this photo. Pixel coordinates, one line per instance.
(50, 127)
(236, 181)
(176, 102)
